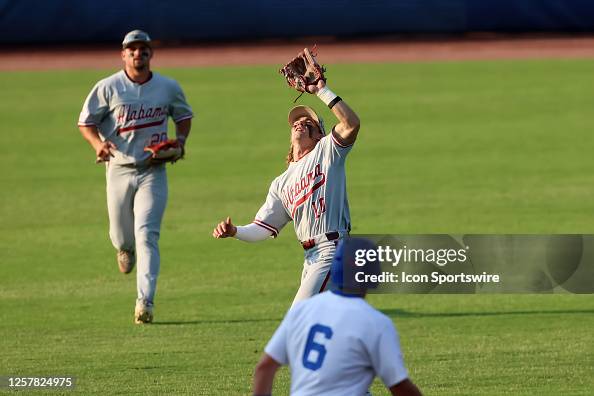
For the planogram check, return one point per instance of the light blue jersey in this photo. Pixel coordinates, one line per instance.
(335, 345)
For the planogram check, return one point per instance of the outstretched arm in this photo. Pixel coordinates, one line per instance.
(224, 229)
(348, 126)
(247, 233)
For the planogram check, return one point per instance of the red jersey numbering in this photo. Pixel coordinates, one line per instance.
(319, 208)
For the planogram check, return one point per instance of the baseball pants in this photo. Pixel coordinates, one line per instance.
(315, 277)
(136, 200)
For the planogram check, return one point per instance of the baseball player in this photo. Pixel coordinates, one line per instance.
(335, 342)
(311, 192)
(122, 115)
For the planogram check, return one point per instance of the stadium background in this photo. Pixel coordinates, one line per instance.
(477, 118)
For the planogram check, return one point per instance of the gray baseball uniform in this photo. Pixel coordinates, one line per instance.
(312, 193)
(133, 116)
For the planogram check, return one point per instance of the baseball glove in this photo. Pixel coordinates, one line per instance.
(167, 151)
(303, 70)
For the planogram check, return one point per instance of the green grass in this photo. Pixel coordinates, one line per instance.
(474, 147)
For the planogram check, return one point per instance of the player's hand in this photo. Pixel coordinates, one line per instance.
(313, 89)
(182, 144)
(103, 151)
(224, 229)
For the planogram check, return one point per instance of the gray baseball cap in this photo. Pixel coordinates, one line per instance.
(136, 36)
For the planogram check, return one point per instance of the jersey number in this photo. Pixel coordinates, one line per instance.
(319, 208)
(158, 138)
(314, 353)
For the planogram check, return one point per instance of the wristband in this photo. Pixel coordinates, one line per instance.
(328, 97)
(336, 100)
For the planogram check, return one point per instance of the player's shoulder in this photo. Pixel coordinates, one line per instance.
(373, 315)
(349, 307)
(328, 142)
(320, 298)
(110, 85)
(280, 179)
(325, 141)
(296, 313)
(111, 79)
(282, 176)
(381, 318)
(304, 306)
(165, 80)
(331, 140)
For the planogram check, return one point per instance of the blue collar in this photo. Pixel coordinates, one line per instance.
(341, 293)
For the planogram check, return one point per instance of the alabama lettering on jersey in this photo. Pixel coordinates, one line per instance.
(335, 345)
(133, 115)
(311, 192)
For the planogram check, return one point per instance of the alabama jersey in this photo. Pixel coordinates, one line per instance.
(311, 192)
(335, 345)
(133, 115)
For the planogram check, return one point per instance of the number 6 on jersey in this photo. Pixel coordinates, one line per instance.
(314, 353)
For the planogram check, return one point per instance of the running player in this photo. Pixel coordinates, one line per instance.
(122, 115)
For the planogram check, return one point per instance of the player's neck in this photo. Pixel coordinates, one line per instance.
(138, 76)
(301, 149)
(300, 153)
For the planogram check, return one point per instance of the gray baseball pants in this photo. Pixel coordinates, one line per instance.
(315, 277)
(136, 200)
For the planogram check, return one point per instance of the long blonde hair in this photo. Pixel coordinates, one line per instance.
(289, 158)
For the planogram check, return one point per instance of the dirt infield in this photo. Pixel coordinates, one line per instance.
(384, 50)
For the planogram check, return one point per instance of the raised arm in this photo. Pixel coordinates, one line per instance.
(348, 122)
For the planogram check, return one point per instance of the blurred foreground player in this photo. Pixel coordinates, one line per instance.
(335, 342)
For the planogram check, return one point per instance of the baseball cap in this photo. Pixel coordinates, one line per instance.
(305, 111)
(343, 268)
(136, 36)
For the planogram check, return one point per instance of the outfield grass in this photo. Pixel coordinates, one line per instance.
(473, 147)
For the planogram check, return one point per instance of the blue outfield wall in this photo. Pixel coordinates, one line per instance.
(83, 21)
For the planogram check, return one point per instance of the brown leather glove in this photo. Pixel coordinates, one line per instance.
(303, 71)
